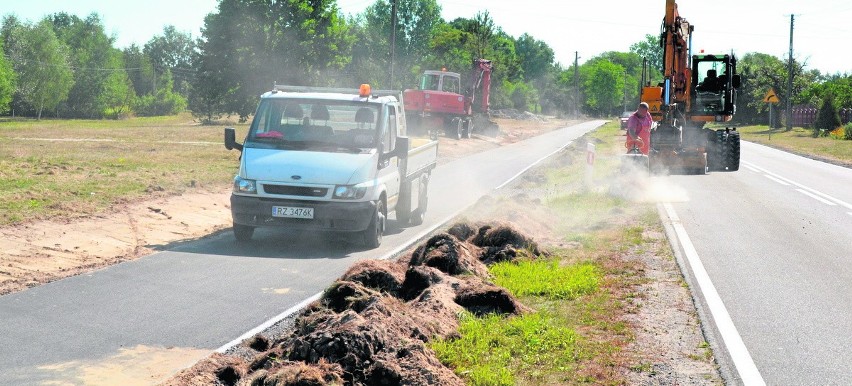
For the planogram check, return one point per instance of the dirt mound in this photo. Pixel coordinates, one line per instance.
(385, 276)
(484, 300)
(288, 373)
(211, 371)
(450, 255)
(498, 242)
(372, 326)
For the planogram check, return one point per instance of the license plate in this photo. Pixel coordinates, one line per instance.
(292, 212)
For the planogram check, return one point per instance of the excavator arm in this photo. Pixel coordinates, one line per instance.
(680, 140)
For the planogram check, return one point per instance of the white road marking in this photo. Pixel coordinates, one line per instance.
(815, 197)
(776, 180)
(814, 191)
(392, 253)
(268, 323)
(530, 166)
(751, 168)
(730, 336)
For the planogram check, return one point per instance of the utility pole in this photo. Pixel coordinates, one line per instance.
(576, 85)
(790, 80)
(393, 41)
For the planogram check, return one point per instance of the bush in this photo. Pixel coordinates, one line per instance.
(828, 118)
(164, 103)
(847, 131)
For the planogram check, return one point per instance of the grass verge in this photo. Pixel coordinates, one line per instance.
(800, 141)
(580, 292)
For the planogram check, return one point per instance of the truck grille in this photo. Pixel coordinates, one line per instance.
(287, 190)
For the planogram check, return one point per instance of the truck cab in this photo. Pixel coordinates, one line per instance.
(328, 160)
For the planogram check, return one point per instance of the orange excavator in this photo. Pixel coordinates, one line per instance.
(696, 90)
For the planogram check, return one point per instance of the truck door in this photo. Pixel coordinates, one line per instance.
(389, 168)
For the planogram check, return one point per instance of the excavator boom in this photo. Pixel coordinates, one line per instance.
(695, 89)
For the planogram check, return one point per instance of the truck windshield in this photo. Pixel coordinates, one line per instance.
(323, 125)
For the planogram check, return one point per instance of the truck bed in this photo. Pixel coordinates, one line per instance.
(422, 156)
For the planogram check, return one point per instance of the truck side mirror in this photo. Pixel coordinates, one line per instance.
(402, 146)
(735, 81)
(231, 140)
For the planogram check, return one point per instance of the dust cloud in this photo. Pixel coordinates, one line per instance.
(633, 182)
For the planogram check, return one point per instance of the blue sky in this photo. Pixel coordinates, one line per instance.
(822, 29)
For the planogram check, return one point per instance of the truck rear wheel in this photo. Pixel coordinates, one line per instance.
(372, 236)
(243, 233)
(419, 214)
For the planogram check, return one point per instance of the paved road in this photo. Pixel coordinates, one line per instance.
(776, 240)
(206, 293)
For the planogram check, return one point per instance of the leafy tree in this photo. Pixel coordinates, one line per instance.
(416, 21)
(140, 70)
(101, 86)
(839, 86)
(7, 81)
(449, 47)
(249, 44)
(603, 86)
(759, 73)
(164, 102)
(41, 61)
(536, 56)
(650, 48)
(631, 63)
(172, 51)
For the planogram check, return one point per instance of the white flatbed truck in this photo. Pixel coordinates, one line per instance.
(337, 160)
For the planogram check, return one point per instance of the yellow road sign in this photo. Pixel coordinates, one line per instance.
(771, 97)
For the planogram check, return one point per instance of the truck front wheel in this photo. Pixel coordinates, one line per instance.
(372, 236)
(243, 233)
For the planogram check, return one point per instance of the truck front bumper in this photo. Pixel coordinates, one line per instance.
(328, 216)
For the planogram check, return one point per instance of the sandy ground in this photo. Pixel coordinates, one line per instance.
(40, 252)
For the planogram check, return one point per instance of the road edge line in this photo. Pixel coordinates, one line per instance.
(731, 341)
(394, 252)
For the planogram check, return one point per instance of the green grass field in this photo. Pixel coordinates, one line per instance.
(800, 141)
(65, 168)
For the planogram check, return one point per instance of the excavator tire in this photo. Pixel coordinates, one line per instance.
(731, 151)
(467, 130)
(454, 129)
(715, 156)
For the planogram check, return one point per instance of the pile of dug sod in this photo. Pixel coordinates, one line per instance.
(372, 325)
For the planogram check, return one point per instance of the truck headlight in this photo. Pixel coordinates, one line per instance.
(242, 185)
(349, 192)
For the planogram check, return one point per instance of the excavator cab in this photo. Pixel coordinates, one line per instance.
(714, 80)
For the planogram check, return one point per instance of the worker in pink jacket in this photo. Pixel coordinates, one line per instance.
(639, 129)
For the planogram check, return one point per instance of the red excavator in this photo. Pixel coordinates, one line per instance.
(696, 90)
(441, 103)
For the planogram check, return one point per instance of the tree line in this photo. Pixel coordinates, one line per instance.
(66, 66)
